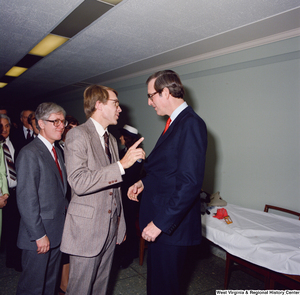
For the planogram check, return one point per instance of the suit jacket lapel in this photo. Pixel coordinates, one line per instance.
(51, 163)
(165, 136)
(114, 149)
(63, 169)
(96, 144)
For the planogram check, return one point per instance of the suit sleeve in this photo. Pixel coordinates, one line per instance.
(27, 167)
(190, 158)
(85, 174)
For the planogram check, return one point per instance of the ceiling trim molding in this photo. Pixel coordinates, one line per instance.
(227, 50)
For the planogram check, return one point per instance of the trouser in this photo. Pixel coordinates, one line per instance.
(11, 223)
(40, 272)
(90, 275)
(165, 268)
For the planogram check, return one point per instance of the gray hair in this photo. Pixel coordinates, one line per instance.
(22, 113)
(44, 111)
(2, 116)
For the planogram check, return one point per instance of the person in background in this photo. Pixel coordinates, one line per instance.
(4, 194)
(24, 133)
(10, 214)
(95, 219)
(72, 122)
(41, 198)
(128, 250)
(32, 123)
(170, 210)
(4, 110)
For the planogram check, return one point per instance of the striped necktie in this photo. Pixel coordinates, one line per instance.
(10, 162)
(106, 141)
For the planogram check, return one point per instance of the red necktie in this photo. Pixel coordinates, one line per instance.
(56, 161)
(167, 125)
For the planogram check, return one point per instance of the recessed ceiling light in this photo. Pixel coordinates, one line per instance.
(2, 84)
(113, 2)
(48, 44)
(16, 71)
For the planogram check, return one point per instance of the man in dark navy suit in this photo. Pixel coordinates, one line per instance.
(170, 212)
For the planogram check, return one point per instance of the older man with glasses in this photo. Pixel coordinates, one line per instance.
(41, 198)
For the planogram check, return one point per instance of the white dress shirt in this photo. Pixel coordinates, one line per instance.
(25, 132)
(178, 111)
(101, 131)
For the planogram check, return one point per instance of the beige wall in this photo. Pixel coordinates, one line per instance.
(250, 103)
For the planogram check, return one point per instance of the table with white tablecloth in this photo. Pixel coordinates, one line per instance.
(265, 239)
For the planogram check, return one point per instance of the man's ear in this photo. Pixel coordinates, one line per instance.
(41, 124)
(98, 105)
(166, 92)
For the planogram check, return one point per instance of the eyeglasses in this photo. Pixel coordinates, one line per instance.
(116, 102)
(57, 122)
(151, 95)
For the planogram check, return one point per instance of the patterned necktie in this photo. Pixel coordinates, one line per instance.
(10, 162)
(106, 141)
(56, 161)
(167, 125)
(28, 134)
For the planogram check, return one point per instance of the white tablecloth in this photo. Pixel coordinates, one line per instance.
(265, 239)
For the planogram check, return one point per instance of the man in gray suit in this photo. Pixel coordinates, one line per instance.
(41, 191)
(95, 218)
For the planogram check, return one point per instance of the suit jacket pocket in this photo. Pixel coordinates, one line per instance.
(47, 215)
(81, 210)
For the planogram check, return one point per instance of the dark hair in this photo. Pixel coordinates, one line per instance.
(129, 140)
(92, 94)
(30, 118)
(72, 120)
(169, 79)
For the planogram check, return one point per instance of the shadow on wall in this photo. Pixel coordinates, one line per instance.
(210, 165)
(211, 153)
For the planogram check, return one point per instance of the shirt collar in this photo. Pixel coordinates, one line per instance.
(99, 128)
(7, 140)
(178, 111)
(46, 142)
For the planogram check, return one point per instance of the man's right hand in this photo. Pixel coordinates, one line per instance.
(133, 154)
(43, 245)
(135, 190)
(3, 200)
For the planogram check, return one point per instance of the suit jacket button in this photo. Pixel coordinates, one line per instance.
(109, 211)
(110, 193)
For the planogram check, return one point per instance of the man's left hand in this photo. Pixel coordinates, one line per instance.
(151, 232)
